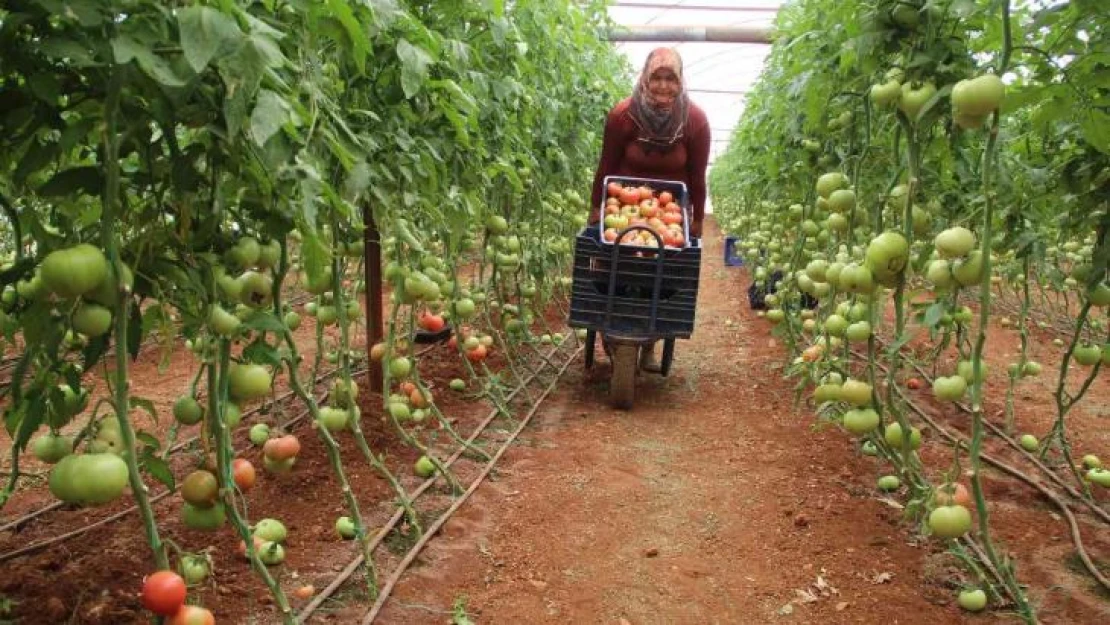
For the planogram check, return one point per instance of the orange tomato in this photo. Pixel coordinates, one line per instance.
(244, 474)
(948, 494)
(282, 448)
(192, 615)
(478, 354)
(615, 189)
(377, 351)
(666, 198)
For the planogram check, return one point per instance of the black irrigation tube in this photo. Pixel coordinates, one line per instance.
(1077, 539)
(15, 523)
(123, 513)
(119, 515)
(431, 531)
(1101, 513)
(355, 563)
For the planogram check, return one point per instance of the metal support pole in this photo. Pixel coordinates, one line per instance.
(726, 34)
(372, 265)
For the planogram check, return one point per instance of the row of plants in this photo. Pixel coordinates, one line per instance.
(902, 167)
(167, 168)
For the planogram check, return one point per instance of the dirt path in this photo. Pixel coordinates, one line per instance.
(711, 502)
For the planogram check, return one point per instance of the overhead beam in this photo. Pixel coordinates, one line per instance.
(689, 34)
(719, 91)
(694, 7)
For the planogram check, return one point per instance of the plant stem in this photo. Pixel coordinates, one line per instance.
(217, 394)
(120, 386)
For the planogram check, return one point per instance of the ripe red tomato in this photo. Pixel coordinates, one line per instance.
(478, 354)
(914, 384)
(431, 323)
(192, 615)
(244, 474)
(163, 593)
(665, 198)
(630, 197)
(615, 189)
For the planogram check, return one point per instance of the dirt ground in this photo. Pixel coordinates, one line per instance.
(715, 500)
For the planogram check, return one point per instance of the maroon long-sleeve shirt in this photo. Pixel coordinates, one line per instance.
(623, 155)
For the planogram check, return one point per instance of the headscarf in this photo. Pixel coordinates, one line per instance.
(660, 127)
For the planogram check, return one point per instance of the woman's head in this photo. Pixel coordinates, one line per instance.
(659, 101)
(662, 77)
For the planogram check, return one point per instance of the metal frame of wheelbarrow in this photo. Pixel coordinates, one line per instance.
(623, 349)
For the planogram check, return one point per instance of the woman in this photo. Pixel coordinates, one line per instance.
(657, 133)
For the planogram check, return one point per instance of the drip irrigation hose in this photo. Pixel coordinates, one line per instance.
(431, 531)
(123, 513)
(1077, 539)
(1101, 513)
(351, 567)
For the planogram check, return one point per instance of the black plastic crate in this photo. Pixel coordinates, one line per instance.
(634, 282)
(676, 188)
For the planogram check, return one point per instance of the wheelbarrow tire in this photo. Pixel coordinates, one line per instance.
(622, 386)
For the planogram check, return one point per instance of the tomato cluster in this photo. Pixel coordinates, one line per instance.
(628, 206)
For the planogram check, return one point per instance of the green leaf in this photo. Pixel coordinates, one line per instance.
(1095, 126)
(262, 352)
(360, 44)
(145, 404)
(37, 157)
(934, 314)
(127, 49)
(148, 440)
(68, 50)
(264, 322)
(270, 114)
(73, 181)
(358, 180)
(159, 469)
(205, 33)
(414, 67)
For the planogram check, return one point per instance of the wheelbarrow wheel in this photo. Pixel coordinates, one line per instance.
(622, 386)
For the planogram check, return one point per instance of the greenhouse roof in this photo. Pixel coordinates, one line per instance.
(717, 74)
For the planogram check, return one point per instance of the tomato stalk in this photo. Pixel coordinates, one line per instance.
(1023, 330)
(356, 425)
(120, 385)
(410, 440)
(218, 382)
(974, 451)
(910, 467)
(332, 449)
(1064, 401)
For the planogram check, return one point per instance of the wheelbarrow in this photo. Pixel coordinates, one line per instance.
(633, 296)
